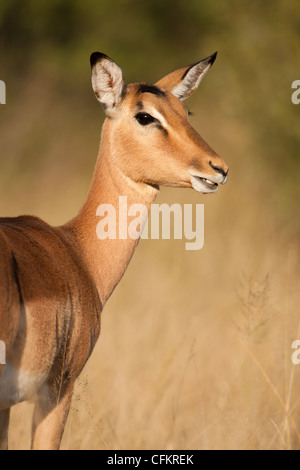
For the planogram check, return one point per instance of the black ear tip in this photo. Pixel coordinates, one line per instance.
(213, 57)
(95, 57)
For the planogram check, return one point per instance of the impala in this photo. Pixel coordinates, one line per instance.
(55, 281)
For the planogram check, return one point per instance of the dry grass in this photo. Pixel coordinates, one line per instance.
(195, 350)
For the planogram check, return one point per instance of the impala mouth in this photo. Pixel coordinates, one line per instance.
(204, 185)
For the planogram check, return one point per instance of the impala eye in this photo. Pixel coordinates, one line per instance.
(145, 119)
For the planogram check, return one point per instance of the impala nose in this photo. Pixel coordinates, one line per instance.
(219, 169)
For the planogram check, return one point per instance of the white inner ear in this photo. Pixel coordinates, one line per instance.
(191, 81)
(107, 81)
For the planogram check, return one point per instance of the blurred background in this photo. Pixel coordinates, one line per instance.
(195, 350)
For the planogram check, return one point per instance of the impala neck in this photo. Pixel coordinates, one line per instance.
(107, 259)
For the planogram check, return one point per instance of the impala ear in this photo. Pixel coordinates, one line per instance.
(183, 82)
(107, 80)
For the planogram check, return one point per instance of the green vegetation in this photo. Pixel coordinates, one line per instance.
(220, 322)
(259, 56)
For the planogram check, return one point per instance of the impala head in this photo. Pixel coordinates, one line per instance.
(151, 139)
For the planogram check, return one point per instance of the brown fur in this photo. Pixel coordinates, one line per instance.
(56, 280)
